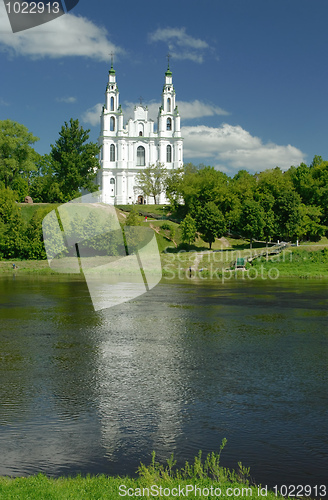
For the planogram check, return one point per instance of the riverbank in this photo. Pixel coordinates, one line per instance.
(201, 479)
(293, 262)
(25, 267)
(307, 261)
(301, 262)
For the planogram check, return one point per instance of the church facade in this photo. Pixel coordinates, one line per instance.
(127, 149)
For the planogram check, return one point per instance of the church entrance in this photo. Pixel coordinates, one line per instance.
(140, 200)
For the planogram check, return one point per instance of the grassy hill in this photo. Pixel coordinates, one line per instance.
(28, 210)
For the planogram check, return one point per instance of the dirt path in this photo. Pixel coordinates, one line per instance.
(156, 229)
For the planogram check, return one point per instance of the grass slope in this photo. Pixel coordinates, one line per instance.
(28, 210)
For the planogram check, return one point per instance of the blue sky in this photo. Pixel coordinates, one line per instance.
(250, 75)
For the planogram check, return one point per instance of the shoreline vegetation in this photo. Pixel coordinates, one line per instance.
(200, 479)
(305, 261)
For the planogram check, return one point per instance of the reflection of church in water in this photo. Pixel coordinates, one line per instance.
(125, 150)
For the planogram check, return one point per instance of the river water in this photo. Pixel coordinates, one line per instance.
(175, 370)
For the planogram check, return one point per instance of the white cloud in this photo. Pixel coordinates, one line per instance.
(232, 148)
(67, 100)
(198, 109)
(92, 115)
(3, 102)
(68, 35)
(181, 45)
(187, 110)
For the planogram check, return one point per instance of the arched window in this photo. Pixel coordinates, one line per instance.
(168, 154)
(112, 152)
(112, 181)
(140, 133)
(168, 105)
(112, 123)
(141, 156)
(112, 103)
(169, 124)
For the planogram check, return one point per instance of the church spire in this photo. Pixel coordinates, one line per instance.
(168, 71)
(168, 113)
(112, 70)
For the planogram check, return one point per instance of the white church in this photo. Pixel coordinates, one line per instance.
(126, 149)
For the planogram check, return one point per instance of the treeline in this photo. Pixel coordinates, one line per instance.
(59, 176)
(56, 177)
(270, 205)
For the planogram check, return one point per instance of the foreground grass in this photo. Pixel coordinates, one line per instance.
(112, 488)
(301, 262)
(201, 479)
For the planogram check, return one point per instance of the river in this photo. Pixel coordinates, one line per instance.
(175, 370)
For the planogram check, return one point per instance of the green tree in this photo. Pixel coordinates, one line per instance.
(210, 223)
(201, 186)
(151, 180)
(44, 187)
(266, 201)
(319, 173)
(288, 213)
(73, 160)
(133, 217)
(303, 182)
(173, 186)
(274, 182)
(35, 246)
(13, 240)
(188, 229)
(17, 156)
(311, 227)
(243, 185)
(251, 222)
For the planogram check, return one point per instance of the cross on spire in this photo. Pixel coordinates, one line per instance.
(112, 58)
(168, 60)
